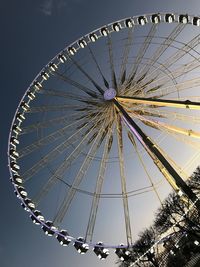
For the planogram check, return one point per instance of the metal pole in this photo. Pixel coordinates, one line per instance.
(160, 102)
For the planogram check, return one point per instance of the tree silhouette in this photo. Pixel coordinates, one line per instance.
(144, 246)
(179, 222)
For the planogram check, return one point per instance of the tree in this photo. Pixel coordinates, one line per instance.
(144, 246)
(176, 213)
(177, 259)
(194, 181)
(179, 221)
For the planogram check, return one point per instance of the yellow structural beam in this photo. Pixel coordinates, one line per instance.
(157, 124)
(159, 102)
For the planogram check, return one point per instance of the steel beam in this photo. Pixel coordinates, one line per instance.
(160, 102)
(150, 146)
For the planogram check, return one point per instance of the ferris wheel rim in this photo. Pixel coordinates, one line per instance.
(38, 82)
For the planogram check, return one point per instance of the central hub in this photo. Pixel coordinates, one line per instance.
(109, 94)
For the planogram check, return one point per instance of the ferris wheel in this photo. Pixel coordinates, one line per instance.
(107, 128)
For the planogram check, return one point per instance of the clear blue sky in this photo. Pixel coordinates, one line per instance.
(32, 32)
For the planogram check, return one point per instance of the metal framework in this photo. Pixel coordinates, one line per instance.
(118, 96)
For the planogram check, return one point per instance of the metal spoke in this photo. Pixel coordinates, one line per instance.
(184, 50)
(111, 60)
(48, 139)
(79, 177)
(188, 84)
(124, 61)
(99, 184)
(179, 169)
(45, 108)
(175, 129)
(186, 68)
(194, 158)
(58, 150)
(145, 111)
(76, 84)
(130, 136)
(162, 48)
(123, 180)
(49, 123)
(98, 67)
(140, 54)
(60, 171)
(164, 79)
(192, 143)
(101, 91)
(54, 92)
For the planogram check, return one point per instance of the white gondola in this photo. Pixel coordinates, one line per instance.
(20, 117)
(196, 21)
(14, 166)
(13, 154)
(14, 141)
(72, 50)
(37, 217)
(16, 129)
(29, 203)
(169, 18)
(116, 26)
(45, 75)
(123, 253)
(31, 95)
(63, 238)
(183, 19)
(82, 43)
(101, 252)
(16, 183)
(93, 37)
(25, 106)
(155, 18)
(17, 179)
(49, 229)
(80, 246)
(53, 66)
(104, 31)
(22, 191)
(142, 20)
(129, 23)
(37, 85)
(62, 58)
